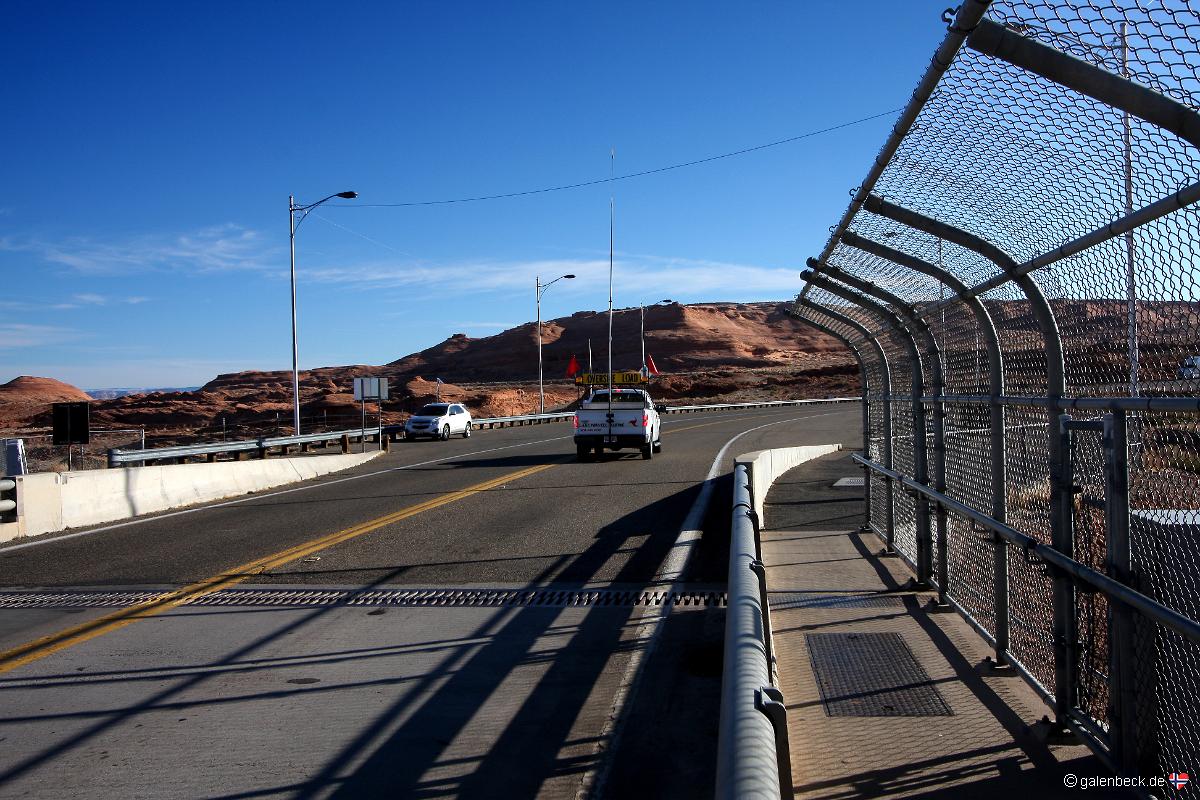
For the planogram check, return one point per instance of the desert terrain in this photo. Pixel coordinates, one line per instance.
(706, 353)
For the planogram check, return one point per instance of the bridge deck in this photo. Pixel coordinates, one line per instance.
(886, 698)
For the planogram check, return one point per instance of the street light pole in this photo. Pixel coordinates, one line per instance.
(539, 290)
(293, 223)
(295, 346)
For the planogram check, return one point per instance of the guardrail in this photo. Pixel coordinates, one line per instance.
(8, 486)
(748, 755)
(261, 446)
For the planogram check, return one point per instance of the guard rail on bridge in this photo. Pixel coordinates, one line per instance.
(1017, 278)
(262, 446)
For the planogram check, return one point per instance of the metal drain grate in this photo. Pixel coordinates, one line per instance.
(782, 600)
(417, 598)
(872, 675)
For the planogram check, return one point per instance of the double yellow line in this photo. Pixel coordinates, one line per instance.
(47, 645)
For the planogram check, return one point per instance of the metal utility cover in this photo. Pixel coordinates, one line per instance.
(872, 675)
(849, 483)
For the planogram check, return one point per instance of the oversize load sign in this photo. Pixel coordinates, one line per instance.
(630, 378)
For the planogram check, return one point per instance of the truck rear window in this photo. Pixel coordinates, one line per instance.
(618, 397)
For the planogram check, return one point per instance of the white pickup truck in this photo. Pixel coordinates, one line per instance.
(629, 420)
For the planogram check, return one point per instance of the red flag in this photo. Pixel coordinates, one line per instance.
(650, 365)
(573, 367)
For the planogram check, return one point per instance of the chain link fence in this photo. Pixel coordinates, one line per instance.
(1018, 276)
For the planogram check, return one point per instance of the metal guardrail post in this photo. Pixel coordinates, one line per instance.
(908, 327)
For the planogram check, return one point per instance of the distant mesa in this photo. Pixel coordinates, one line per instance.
(28, 390)
(723, 352)
(122, 391)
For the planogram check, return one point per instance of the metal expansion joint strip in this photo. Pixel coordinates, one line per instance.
(413, 598)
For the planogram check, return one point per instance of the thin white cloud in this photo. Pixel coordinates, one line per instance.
(639, 278)
(15, 335)
(222, 248)
(76, 301)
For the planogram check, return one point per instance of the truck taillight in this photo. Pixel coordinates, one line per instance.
(575, 422)
(645, 420)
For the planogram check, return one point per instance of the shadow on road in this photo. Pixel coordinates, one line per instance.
(401, 751)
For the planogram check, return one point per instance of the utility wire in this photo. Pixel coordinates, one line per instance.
(362, 235)
(613, 179)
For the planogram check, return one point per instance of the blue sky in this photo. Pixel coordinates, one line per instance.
(149, 150)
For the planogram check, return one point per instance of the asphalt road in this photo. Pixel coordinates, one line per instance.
(344, 701)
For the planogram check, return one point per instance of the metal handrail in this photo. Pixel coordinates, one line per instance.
(748, 758)
(1115, 590)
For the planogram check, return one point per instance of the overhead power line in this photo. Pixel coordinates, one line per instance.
(615, 178)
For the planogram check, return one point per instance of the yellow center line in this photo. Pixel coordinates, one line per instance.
(47, 645)
(40, 648)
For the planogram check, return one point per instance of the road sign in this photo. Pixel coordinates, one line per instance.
(630, 378)
(370, 388)
(72, 423)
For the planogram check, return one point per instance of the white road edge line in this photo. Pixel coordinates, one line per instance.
(138, 521)
(649, 626)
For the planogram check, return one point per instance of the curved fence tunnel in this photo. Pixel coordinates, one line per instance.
(1017, 278)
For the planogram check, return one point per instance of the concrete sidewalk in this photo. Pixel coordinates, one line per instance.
(886, 698)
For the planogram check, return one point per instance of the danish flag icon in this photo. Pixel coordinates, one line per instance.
(1178, 780)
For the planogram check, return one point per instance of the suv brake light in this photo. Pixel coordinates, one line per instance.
(645, 420)
(575, 421)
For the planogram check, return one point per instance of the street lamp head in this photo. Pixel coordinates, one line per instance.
(348, 195)
(568, 276)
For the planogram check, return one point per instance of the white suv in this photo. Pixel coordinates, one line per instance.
(439, 421)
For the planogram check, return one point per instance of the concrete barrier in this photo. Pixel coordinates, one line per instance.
(765, 467)
(50, 501)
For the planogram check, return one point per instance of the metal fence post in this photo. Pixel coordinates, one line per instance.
(1066, 637)
(1061, 493)
(1122, 698)
(995, 356)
